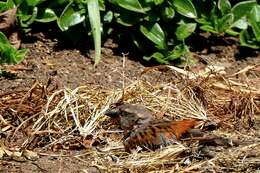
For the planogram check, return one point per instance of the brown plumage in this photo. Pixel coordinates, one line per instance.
(142, 129)
(157, 134)
(130, 115)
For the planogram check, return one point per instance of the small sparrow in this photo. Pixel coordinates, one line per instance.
(142, 129)
(131, 115)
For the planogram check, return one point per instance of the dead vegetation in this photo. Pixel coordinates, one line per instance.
(44, 118)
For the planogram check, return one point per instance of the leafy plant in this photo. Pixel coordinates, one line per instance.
(147, 17)
(158, 28)
(218, 19)
(164, 24)
(6, 5)
(8, 54)
(67, 14)
(241, 19)
(250, 37)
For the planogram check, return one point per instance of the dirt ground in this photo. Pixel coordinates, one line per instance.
(46, 62)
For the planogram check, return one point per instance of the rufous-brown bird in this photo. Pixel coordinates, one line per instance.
(131, 115)
(142, 129)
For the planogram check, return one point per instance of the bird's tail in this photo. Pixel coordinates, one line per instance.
(183, 126)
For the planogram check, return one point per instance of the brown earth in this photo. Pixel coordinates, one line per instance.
(71, 68)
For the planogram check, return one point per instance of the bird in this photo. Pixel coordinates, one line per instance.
(142, 129)
(131, 115)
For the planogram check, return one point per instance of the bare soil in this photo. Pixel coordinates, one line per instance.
(50, 64)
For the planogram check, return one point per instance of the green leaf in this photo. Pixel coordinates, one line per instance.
(3, 39)
(185, 8)
(33, 2)
(224, 6)
(6, 5)
(28, 19)
(101, 4)
(241, 23)
(208, 28)
(19, 56)
(132, 5)
(48, 15)
(94, 19)
(127, 18)
(18, 2)
(203, 21)
(254, 19)
(155, 2)
(225, 22)
(184, 30)
(178, 51)
(8, 54)
(242, 9)
(70, 16)
(168, 13)
(214, 19)
(108, 17)
(154, 33)
(158, 2)
(244, 38)
(231, 32)
(158, 57)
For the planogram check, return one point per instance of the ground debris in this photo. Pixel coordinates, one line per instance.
(68, 125)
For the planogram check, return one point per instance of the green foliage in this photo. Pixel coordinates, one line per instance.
(8, 54)
(159, 28)
(236, 20)
(185, 7)
(184, 30)
(70, 16)
(167, 24)
(67, 13)
(6, 5)
(164, 25)
(254, 20)
(94, 18)
(132, 5)
(219, 19)
(250, 38)
(154, 32)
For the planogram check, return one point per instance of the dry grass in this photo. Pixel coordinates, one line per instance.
(68, 114)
